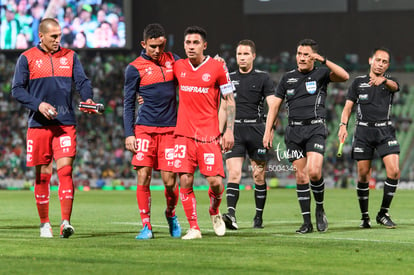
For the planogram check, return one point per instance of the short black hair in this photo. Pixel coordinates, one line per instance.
(384, 49)
(196, 30)
(309, 42)
(247, 42)
(154, 30)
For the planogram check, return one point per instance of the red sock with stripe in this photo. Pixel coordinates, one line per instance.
(66, 191)
(144, 204)
(42, 193)
(189, 202)
(172, 199)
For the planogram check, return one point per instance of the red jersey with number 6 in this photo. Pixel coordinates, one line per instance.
(199, 98)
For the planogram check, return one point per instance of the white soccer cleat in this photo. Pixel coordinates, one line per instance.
(192, 234)
(218, 224)
(46, 230)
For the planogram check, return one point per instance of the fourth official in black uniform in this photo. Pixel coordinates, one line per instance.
(252, 88)
(304, 90)
(373, 94)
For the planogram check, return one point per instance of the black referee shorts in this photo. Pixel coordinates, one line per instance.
(248, 138)
(305, 138)
(368, 139)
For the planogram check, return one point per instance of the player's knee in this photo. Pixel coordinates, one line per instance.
(393, 173)
(258, 177)
(315, 174)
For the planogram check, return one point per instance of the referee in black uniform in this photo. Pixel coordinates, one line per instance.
(373, 95)
(304, 90)
(252, 88)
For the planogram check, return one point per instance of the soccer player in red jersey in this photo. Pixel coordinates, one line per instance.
(200, 80)
(43, 83)
(150, 136)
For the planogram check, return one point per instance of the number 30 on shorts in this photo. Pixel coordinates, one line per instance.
(142, 145)
(179, 151)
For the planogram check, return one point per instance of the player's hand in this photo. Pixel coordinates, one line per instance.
(219, 58)
(268, 139)
(316, 57)
(47, 110)
(140, 100)
(89, 101)
(131, 144)
(376, 80)
(342, 133)
(227, 141)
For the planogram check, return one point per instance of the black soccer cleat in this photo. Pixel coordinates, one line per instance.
(258, 222)
(385, 220)
(305, 228)
(321, 220)
(230, 221)
(365, 222)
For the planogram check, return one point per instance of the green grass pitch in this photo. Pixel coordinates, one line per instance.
(106, 223)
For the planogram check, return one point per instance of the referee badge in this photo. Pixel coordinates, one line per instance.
(311, 87)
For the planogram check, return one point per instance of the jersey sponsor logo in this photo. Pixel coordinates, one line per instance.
(363, 97)
(39, 63)
(182, 74)
(194, 89)
(364, 85)
(392, 143)
(29, 157)
(290, 91)
(261, 151)
(292, 80)
(209, 168)
(169, 153)
(206, 77)
(139, 156)
(65, 141)
(358, 150)
(209, 158)
(311, 87)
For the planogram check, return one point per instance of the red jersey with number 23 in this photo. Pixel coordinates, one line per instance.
(199, 97)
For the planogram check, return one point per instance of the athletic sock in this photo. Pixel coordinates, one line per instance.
(232, 197)
(390, 186)
(66, 191)
(363, 197)
(260, 194)
(172, 198)
(318, 190)
(304, 198)
(189, 202)
(42, 193)
(215, 201)
(144, 204)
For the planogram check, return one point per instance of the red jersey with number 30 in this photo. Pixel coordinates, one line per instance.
(199, 98)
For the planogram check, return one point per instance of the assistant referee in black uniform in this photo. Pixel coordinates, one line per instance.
(252, 88)
(373, 94)
(304, 90)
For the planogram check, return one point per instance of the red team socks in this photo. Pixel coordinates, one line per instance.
(66, 191)
(42, 193)
(215, 201)
(189, 202)
(144, 204)
(172, 199)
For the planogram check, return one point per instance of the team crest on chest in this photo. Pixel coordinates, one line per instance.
(206, 77)
(148, 70)
(311, 87)
(39, 63)
(63, 61)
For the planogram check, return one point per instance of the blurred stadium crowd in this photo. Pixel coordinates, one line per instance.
(101, 151)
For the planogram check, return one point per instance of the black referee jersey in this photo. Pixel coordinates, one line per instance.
(251, 90)
(304, 93)
(374, 103)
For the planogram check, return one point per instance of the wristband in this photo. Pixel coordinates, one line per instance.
(384, 82)
(324, 60)
(343, 124)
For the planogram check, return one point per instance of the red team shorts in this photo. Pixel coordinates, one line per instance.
(45, 143)
(155, 147)
(189, 152)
